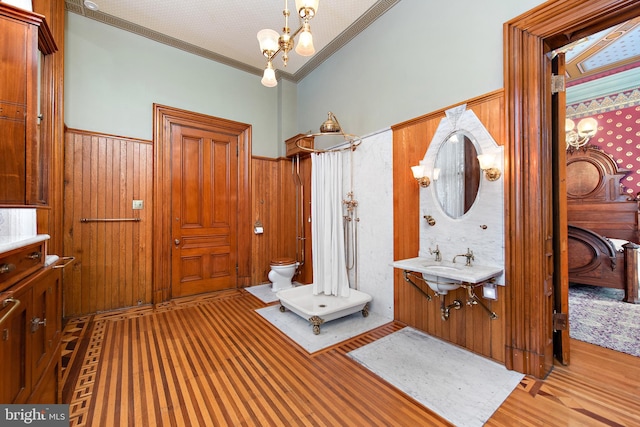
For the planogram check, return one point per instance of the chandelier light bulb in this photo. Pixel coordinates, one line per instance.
(305, 42)
(269, 76)
(307, 8)
(587, 127)
(268, 40)
(272, 43)
(569, 125)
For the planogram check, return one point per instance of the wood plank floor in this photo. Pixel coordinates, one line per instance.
(212, 361)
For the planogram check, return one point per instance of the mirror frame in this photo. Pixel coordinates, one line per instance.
(459, 119)
(468, 136)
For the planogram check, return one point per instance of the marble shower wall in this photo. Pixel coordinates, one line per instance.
(368, 172)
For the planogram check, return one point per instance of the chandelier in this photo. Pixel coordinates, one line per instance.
(272, 43)
(580, 135)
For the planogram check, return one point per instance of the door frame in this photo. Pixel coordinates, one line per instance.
(163, 118)
(527, 169)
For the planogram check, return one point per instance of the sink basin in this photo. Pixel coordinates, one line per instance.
(441, 268)
(447, 270)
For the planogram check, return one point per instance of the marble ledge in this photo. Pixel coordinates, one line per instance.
(9, 243)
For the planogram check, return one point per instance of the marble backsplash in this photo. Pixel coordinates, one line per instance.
(481, 229)
(18, 222)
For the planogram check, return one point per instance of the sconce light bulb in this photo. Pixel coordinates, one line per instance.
(418, 171)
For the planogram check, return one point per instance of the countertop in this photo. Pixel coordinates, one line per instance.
(9, 243)
(470, 274)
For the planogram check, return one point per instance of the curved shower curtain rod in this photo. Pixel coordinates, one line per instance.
(331, 127)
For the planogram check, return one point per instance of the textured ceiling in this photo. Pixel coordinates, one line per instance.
(225, 30)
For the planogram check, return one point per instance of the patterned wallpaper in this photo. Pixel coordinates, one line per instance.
(618, 133)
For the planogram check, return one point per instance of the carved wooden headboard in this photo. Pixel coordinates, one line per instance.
(594, 195)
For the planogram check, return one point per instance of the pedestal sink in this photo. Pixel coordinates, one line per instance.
(445, 276)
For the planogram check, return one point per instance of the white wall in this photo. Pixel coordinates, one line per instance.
(418, 57)
(113, 77)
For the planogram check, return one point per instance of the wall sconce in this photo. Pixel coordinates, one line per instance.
(487, 164)
(579, 136)
(420, 174)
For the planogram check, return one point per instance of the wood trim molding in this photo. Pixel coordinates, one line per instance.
(163, 117)
(528, 166)
(106, 135)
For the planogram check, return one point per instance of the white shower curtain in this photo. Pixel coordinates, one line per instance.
(327, 233)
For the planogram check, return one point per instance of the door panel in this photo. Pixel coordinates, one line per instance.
(561, 277)
(204, 210)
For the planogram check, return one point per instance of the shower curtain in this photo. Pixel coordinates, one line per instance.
(327, 233)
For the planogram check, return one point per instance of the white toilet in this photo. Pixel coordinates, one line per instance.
(282, 271)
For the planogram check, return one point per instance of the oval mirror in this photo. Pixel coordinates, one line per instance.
(456, 174)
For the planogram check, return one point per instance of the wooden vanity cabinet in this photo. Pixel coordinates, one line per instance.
(30, 339)
(15, 344)
(25, 39)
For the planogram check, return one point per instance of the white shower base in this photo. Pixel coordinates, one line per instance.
(321, 308)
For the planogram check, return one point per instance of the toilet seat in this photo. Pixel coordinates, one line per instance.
(283, 261)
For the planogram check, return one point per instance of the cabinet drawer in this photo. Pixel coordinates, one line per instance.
(20, 263)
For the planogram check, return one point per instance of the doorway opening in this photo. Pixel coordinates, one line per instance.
(532, 248)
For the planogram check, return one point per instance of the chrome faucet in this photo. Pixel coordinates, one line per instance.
(437, 253)
(468, 255)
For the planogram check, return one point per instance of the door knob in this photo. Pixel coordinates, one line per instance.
(177, 242)
(36, 322)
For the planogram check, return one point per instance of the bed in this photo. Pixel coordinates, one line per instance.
(603, 224)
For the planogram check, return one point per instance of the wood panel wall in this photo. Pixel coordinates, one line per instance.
(469, 327)
(103, 175)
(50, 218)
(274, 205)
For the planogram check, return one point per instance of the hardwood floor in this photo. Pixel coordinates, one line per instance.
(211, 360)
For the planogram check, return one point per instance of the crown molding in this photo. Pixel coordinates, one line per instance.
(374, 12)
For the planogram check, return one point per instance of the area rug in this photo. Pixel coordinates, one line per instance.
(331, 333)
(598, 316)
(263, 293)
(462, 387)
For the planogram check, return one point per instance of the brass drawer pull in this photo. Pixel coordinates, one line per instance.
(67, 259)
(34, 255)
(7, 268)
(16, 304)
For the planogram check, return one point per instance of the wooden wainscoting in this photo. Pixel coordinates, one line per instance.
(469, 328)
(274, 206)
(103, 175)
(113, 269)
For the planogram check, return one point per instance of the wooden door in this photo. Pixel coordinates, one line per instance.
(203, 210)
(561, 260)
